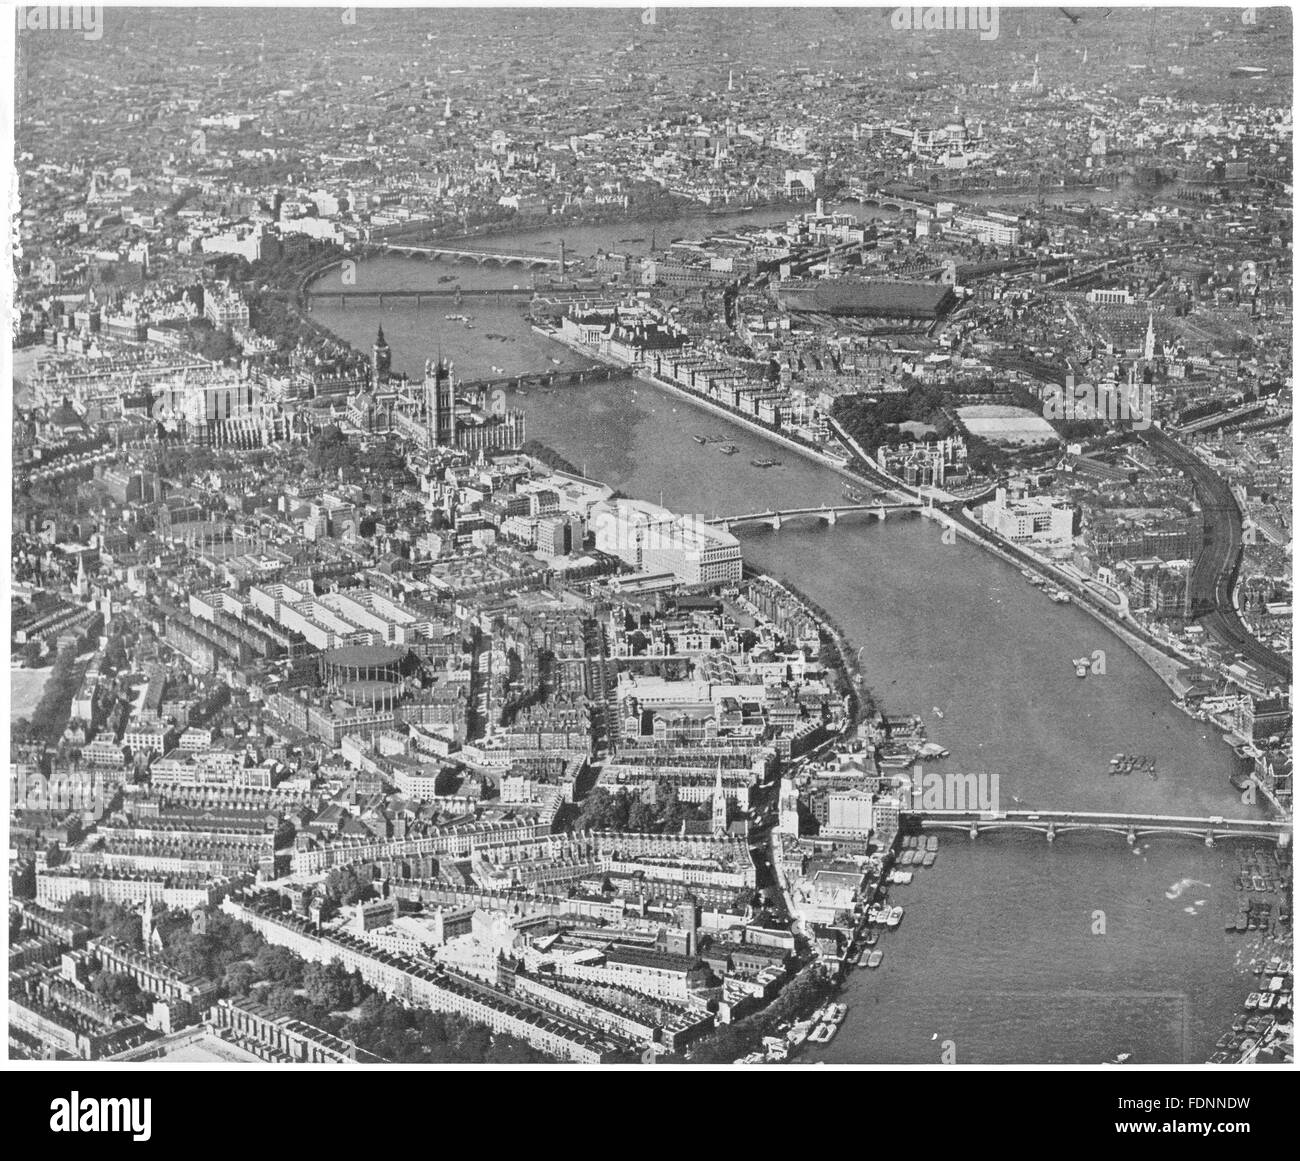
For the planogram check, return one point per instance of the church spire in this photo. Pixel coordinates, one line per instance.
(719, 804)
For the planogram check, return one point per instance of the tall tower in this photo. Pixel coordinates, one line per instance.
(1149, 347)
(788, 806)
(439, 404)
(381, 361)
(719, 804)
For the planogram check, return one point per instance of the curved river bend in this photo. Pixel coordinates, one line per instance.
(1000, 954)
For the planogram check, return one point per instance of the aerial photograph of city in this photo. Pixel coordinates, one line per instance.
(650, 535)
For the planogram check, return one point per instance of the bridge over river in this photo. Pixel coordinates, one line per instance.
(1051, 823)
(342, 295)
(827, 514)
(479, 255)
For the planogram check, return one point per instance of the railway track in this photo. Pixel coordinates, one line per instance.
(1214, 572)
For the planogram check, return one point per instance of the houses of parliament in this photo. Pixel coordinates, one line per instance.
(437, 411)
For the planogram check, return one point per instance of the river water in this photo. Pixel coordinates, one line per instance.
(1012, 950)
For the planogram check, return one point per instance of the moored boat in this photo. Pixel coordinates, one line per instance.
(875, 958)
(821, 1034)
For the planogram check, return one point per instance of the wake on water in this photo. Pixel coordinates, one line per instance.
(1178, 888)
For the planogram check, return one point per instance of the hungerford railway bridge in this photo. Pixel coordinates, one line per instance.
(1133, 827)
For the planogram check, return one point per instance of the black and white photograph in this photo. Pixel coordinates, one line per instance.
(663, 536)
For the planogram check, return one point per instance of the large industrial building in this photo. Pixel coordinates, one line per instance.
(877, 298)
(653, 539)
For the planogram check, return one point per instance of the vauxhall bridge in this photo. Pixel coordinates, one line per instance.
(1133, 827)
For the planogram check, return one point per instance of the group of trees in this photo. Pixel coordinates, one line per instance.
(211, 343)
(51, 714)
(347, 885)
(326, 996)
(205, 953)
(875, 422)
(121, 991)
(332, 452)
(805, 992)
(105, 918)
(549, 456)
(329, 997)
(419, 1036)
(622, 810)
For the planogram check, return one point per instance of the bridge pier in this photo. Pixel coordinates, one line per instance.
(776, 522)
(1131, 838)
(1051, 832)
(832, 517)
(1209, 838)
(879, 514)
(974, 830)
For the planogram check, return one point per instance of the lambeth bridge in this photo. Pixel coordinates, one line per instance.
(343, 295)
(827, 514)
(1133, 827)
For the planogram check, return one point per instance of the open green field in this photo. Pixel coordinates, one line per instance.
(25, 689)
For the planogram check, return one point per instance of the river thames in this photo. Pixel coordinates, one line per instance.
(1012, 950)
